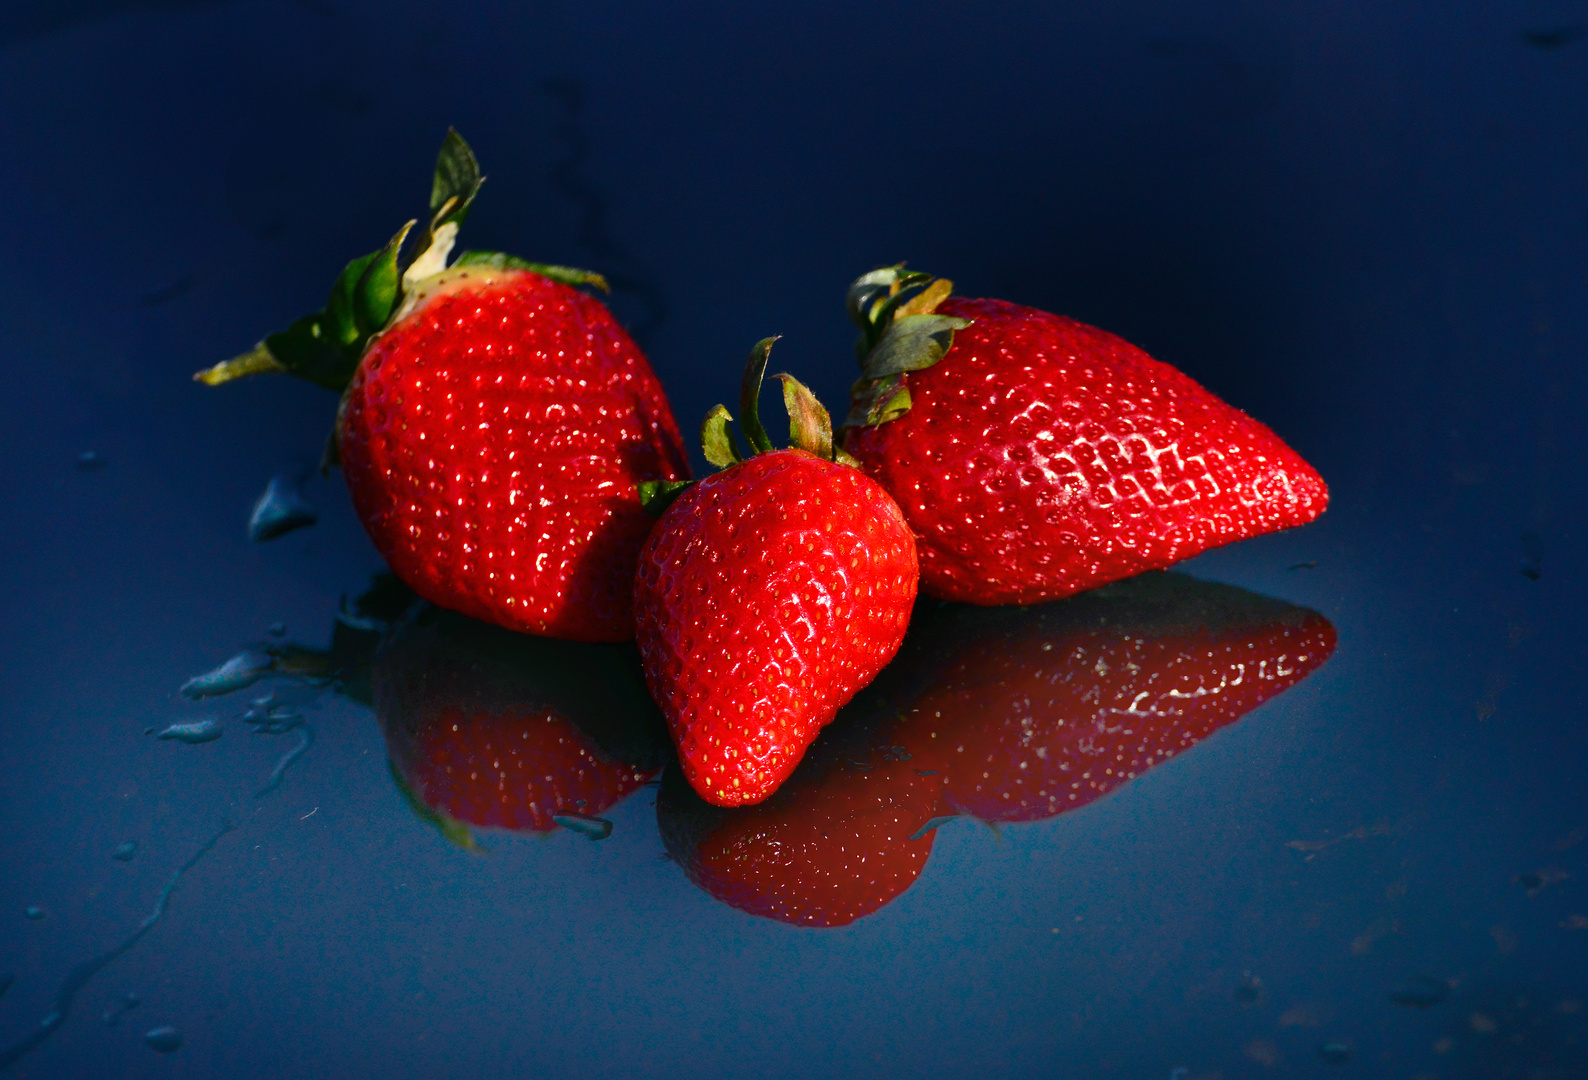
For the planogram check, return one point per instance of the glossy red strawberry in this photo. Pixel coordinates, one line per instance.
(495, 424)
(1033, 711)
(842, 838)
(494, 729)
(1035, 456)
(492, 439)
(767, 595)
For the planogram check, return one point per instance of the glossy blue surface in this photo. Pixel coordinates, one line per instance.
(1366, 224)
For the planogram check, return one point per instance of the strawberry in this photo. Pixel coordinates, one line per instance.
(495, 729)
(767, 595)
(839, 840)
(494, 425)
(1034, 711)
(1035, 456)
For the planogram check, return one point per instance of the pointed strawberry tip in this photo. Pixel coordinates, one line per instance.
(1307, 494)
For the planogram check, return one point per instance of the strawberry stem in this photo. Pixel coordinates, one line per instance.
(657, 495)
(750, 397)
(899, 332)
(809, 424)
(257, 361)
(326, 346)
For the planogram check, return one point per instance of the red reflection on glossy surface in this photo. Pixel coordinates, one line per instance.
(1003, 714)
(1033, 711)
(492, 728)
(832, 844)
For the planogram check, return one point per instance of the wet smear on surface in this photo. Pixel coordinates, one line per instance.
(199, 731)
(166, 1040)
(1362, 832)
(1335, 1052)
(112, 1016)
(240, 672)
(305, 740)
(280, 510)
(593, 827)
(79, 976)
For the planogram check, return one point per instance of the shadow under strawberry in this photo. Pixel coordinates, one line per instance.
(1030, 712)
(841, 838)
(490, 728)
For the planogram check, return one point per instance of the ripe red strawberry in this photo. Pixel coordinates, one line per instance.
(1035, 456)
(490, 728)
(838, 841)
(495, 424)
(766, 596)
(1034, 711)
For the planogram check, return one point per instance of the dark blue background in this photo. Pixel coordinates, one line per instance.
(1365, 223)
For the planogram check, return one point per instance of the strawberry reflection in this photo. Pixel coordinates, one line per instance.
(1002, 714)
(1034, 711)
(489, 728)
(838, 840)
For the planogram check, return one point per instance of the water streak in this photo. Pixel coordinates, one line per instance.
(305, 740)
(79, 976)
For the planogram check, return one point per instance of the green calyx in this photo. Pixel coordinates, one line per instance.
(809, 424)
(325, 347)
(451, 829)
(900, 332)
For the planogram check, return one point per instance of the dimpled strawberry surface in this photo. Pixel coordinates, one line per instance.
(1042, 456)
(767, 595)
(491, 440)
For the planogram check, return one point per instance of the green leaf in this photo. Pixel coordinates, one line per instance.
(809, 426)
(378, 289)
(306, 350)
(456, 182)
(717, 440)
(750, 397)
(906, 289)
(454, 831)
(890, 406)
(876, 401)
(337, 320)
(926, 301)
(567, 275)
(866, 289)
(912, 343)
(657, 495)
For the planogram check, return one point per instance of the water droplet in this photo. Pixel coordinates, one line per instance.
(199, 731)
(166, 1040)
